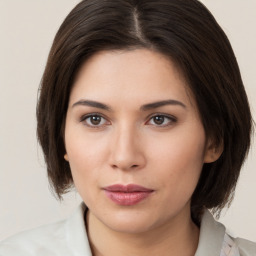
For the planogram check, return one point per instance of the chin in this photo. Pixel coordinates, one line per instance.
(131, 221)
(130, 226)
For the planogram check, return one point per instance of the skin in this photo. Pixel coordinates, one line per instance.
(127, 145)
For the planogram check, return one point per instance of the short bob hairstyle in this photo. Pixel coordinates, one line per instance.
(187, 33)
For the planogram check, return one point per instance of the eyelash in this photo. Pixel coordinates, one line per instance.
(171, 119)
(88, 116)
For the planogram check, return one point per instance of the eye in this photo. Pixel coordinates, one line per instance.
(94, 120)
(162, 120)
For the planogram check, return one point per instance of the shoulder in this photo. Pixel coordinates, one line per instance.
(214, 240)
(237, 247)
(246, 247)
(38, 241)
(64, 238)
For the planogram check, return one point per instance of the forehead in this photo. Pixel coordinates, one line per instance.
(139, 74)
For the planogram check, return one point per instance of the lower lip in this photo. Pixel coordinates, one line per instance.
(127, 198)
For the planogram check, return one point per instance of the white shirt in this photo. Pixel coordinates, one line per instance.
(69, 238)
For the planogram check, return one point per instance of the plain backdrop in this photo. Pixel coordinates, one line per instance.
(27, 29)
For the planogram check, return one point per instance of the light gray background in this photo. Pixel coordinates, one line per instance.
(27, 29)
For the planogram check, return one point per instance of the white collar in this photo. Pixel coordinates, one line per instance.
(76, 234)
(212, 239)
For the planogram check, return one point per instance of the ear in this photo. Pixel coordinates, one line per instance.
(213, 152)
(66, 157)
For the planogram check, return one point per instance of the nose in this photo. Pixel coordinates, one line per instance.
(127, 150)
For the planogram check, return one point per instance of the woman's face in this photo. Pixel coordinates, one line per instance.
(131, 121)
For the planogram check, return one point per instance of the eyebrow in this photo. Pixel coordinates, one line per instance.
(145, 107)
(162, 103)
(92, 103)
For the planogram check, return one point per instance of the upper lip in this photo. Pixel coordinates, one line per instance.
(127, 188)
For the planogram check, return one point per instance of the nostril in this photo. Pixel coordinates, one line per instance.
(131, 167)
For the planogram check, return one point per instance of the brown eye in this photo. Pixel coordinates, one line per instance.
(162, 120)
(159, 119)
(94, 120)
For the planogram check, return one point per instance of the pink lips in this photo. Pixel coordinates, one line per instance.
(127, 194)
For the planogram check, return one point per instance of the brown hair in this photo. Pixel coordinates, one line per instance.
(183, 30)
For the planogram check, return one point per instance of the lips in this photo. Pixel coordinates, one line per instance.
(127, 194)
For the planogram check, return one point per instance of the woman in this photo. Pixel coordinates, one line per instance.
(142, 108)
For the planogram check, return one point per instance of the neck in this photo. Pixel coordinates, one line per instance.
(178, 237)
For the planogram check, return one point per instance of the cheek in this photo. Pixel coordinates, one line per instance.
(179, 161)
(84, 164)
(86, 156)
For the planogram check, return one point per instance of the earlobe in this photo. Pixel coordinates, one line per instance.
(66, 157)
(213, 153)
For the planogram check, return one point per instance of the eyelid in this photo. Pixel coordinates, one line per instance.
(84, 117)
(172, 119)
